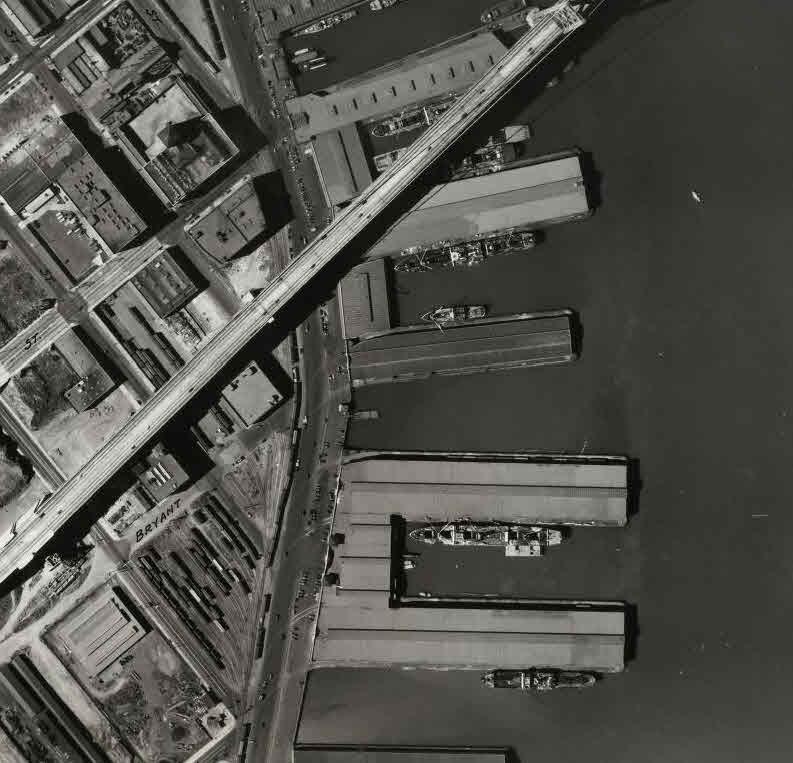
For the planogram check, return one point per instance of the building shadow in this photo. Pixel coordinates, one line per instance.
(634, 487)
(631, 632)
(122, 174)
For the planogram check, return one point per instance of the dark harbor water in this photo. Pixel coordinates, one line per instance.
(683, 367)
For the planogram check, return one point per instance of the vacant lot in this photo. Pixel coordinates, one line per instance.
(22, 298)
(36, 393)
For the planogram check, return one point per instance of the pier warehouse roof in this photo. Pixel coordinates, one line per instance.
(425, 76)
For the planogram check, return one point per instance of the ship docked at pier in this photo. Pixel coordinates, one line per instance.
(446, 314)
(516, 540)
(451, 255)
(538, 680)
(327, 23)
(411, 119)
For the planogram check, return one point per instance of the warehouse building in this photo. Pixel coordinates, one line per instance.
(251, 395)
(424, 76)
(94, 381)
(550, 190)
(416, 352)
(363, 620)
(365, 299)
(169, 282)
(98, 633)
(342, 163)
(335, 118)
(540, 491)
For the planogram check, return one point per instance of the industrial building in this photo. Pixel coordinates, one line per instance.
(329, 753)
(67, 201)
(365, 302)
(251, 395)
(550, 190)
(416, 352)
(425, 76)
(94, 381)
(342, 163)
(233, 225)
(175, 142)
(162, 476)
(99, 632)
(363, 620)
(542, 490)
(169, 282)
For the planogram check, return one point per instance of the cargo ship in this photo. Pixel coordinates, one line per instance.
(538, 680)
(412, 119)
(327, 23)
(454, 314)
(449, 255)
(516, 540)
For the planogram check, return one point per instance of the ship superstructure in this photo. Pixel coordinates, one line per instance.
(516, 540)
(452, 255)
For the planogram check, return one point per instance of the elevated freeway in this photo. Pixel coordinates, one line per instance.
(547, 34)
(51, 325)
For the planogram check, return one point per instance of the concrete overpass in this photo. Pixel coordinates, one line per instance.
(548, 33)
(51, 325)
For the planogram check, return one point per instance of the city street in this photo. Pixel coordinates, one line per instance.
(302, 545)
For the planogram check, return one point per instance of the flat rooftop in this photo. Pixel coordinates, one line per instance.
(550, 191)
(541, 490)
(342, 163)
(170, 107)
(365, 299)
(416, 352)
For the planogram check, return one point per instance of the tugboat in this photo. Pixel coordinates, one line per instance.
(412, 119)
(538, 680)
(449, 255)
(327, 23)
(491, 158)
(454, 314)
(383, 161)
(516, 540)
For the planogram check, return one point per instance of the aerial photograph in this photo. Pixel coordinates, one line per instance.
(389, 381)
